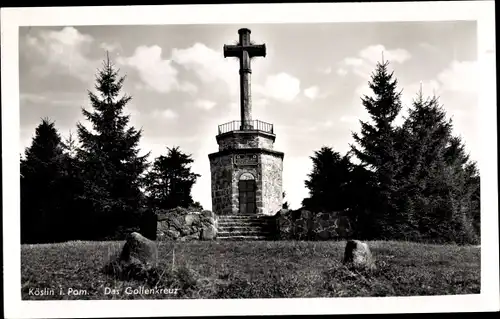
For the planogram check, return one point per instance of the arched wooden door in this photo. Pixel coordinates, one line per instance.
(247, 188)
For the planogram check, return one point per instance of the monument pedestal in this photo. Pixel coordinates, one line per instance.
(246, 173)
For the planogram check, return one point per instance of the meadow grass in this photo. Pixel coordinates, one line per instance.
(253, 269)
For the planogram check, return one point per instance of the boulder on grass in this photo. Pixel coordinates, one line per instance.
(358, 254)
(209, 233)
(137, 260)
(140, 251)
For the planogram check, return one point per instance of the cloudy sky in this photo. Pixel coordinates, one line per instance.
(308, 86)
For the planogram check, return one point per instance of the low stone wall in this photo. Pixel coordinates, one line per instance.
(182, 224)
(305, 225)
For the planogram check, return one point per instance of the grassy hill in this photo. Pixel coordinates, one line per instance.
(260, 269)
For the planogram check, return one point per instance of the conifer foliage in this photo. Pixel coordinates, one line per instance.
(377, 150)
(328, 182)
(41, 171)
(111, 164)
(170, 180)
(413, 182)
(439, 179)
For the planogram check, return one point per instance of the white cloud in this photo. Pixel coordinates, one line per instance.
(362, 90)
(260, 104)
(410, 92)
(66, 52)
(61, 52)
(373, 54)
(156, 72)
(452, 84)
(364, 63)
(456, 87)
(353, 61)
(327, 70)
(312, 92)
(321, 126)
(188, 87)
(111, 47)
(54, 98)
(349, 119)
(457, 78)
(208, 64)
(32, 98)
(328, 123)
(428, 47)
(204, 104)
(460, 77)
(342, 72)
(167, 114)
(282, 87)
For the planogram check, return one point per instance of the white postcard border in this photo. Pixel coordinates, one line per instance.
(481, 11)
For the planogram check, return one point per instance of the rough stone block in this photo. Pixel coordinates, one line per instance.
(139, 250)
(358, 254)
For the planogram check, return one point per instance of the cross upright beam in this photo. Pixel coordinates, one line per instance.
(244, 51)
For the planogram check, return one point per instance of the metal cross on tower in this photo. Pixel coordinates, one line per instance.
(245, 50)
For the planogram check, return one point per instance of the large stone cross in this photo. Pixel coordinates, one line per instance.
(245, 50)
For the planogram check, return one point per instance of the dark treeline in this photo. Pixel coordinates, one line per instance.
(97, 186)
(409, 182)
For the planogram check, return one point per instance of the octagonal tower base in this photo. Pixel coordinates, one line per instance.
(246, 172)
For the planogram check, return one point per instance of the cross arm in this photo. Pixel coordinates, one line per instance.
(256, 50)
(232, 50)
(253, 50)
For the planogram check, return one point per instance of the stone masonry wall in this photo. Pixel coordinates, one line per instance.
(227, 167)
(183, 224)
(221, 169)
(246, 139)
(305, 225)
(272, 183)
(225, 178)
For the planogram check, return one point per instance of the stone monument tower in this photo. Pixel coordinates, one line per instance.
(246, 171)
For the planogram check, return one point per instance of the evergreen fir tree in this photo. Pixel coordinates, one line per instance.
(110, 157)
(377, 150)
(361, 194)
(438, 180)
(41, 172)
(71, 192)
(170, 180)
(328, 182)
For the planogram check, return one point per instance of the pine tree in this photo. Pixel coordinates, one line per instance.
(438, 180)
(41, 172)
(110, 157)
(361, 194)
(377, 150)
(170, 180)
(376, 140)
(71, 191)
(463, 187)
(328, 181)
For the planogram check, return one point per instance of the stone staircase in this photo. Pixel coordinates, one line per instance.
(245, 227)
